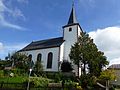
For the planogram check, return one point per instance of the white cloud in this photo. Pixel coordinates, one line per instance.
(5, 49)
(5, 23)
(18, 13)
(23, 1)
(108, 41)
(1, 46)
(5, 10)
(115, 61)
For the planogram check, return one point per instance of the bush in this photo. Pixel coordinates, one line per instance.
(39, 81)
(88, 81)
(112, 88)
(6, 72)
(79, 88)
(57, 77)
(1, 73)
(69, 83)
(66, 66)
(19, 72)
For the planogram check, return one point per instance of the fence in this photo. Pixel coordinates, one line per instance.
(11, 86)
(20, 86)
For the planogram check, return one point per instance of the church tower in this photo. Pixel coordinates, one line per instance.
(71, 32)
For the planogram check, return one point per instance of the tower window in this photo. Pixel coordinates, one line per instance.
(70, 29)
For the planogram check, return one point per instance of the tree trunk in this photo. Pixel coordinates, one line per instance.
(78, 70)
(107, 85)
(84, 71)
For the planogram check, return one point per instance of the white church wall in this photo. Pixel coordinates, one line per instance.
(79, 31)
(70, 38)
(61, 52)
(44, 53)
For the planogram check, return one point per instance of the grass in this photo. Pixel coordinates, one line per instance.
(12, 79)
(13, 82)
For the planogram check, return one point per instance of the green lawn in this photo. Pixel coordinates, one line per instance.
(12, 82)
(13, 79)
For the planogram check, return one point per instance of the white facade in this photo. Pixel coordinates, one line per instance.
(44, 53)
(70, 37)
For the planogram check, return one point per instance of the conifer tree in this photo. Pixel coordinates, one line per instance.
(86, 52)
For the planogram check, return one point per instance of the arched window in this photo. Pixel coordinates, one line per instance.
(30, 57)
(39, 57)
(49, 60)
(31, 63)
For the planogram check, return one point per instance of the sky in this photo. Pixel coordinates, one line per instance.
(24, 21)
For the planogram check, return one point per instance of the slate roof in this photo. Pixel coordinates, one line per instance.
(42, 44)
(72, 18)
(114, 66)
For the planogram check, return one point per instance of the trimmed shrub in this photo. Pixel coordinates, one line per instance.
(66, 66)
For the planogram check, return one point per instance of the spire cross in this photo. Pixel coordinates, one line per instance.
(72, 3)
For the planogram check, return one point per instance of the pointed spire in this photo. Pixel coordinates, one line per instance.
(72, 18)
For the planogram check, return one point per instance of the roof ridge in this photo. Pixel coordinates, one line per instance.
(46, 39)
(42, 44)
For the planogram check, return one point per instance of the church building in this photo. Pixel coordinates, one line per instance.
(53, 51)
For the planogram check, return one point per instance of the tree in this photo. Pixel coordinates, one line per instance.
(75, 55)
(86, 52)
(96, 63)
(20, 60)
(38, 67)
(66, 66)
(106, 76)
(87, 82)
(101, 62)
